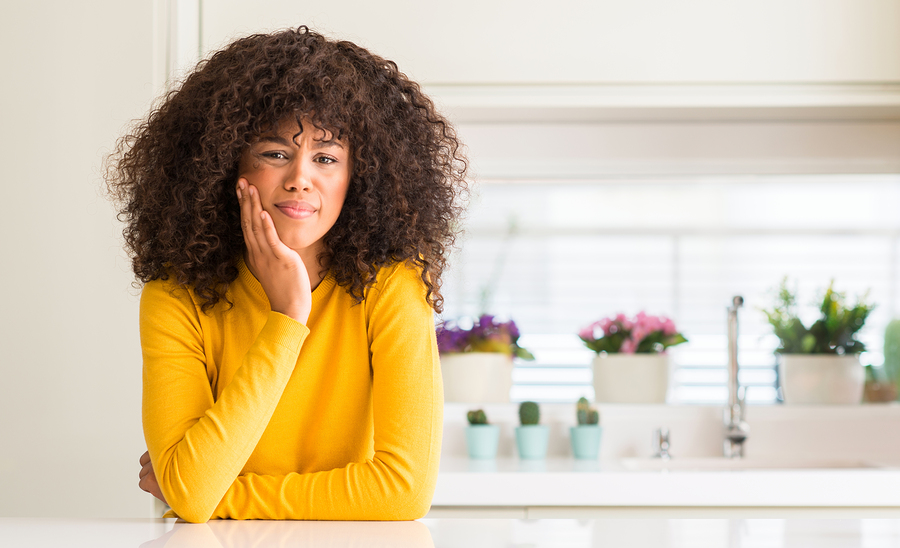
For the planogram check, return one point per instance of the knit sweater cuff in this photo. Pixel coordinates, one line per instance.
(284, 331)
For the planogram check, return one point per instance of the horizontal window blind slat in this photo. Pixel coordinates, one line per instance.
(593, 250)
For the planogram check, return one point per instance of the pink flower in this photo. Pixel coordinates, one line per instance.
(604, 325)
(628, 346)
(587, 333)
(638, 334)
(669, 327)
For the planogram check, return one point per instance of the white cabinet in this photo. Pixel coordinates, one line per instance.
(598, 41)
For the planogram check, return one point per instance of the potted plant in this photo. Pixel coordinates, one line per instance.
(481, 437)
(585, 437)
(631, 365)
(531, 437)
(892, 354)
(819, 364)
(477, 362)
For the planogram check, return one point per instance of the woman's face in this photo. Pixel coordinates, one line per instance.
(302, 181)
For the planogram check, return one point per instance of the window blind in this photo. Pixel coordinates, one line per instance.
(555, 256)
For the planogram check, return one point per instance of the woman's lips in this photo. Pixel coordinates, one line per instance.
(296, 210)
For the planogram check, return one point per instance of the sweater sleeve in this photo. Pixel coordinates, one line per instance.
(198, 444)
(398, 482)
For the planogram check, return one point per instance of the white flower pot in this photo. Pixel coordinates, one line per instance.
(477, 377)
(821, 378)
(631, 378)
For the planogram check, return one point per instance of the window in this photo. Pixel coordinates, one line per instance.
(556, 255)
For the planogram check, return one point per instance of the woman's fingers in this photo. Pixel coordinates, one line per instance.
(271, 235)
(265, 235)
(243, 192)
(147, 480)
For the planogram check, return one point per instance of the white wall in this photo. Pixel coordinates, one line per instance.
(70, 435)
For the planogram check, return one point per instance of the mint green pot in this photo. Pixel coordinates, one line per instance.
(482, 439)
(586, 441)
(532, 441)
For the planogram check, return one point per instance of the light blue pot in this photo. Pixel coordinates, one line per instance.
(482, 439)
(586, 441)
(532, 441)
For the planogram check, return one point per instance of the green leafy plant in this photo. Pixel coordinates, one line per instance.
(892, 352)
(833, 333)
(529, 413)
(586, 414)
(477, 417)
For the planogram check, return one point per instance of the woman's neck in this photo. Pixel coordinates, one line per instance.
(310, 257)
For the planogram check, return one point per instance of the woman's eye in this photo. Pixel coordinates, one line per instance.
(325, 160)
(275, 155)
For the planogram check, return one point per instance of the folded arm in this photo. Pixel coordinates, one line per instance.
(198, 444)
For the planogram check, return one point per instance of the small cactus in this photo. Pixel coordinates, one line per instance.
(529, 413)
(477, 417)
(586, 414)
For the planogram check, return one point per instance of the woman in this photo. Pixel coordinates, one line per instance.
(289, 210)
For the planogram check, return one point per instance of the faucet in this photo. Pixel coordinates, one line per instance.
(736, 429)
(661, 444)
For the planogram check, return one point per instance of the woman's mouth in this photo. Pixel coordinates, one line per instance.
(295, 209)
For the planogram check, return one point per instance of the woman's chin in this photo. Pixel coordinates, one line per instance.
(303, 246)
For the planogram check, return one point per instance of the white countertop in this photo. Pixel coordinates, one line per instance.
(450, 533)
(510, 482)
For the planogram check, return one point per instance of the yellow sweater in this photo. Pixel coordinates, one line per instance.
(249, 414)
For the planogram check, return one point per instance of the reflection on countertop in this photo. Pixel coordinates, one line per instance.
(451, 533)
(278, 534)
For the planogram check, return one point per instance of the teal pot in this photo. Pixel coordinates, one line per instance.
(532, 441)
(586, 441)
(482, 439)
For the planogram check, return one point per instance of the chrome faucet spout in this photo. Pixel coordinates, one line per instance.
(736, 429)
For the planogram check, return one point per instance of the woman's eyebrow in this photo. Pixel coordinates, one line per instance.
(273, 139)
(329, 143)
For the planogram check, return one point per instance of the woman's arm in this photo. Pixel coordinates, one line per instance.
(199, 444)
(398, 482)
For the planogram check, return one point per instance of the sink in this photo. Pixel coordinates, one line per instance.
(713, 464)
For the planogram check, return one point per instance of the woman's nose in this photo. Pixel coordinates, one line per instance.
(297, 177)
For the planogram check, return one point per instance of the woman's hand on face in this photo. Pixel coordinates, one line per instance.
(280, 269)
(148, 478)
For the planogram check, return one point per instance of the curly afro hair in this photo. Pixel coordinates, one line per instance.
(174, 174)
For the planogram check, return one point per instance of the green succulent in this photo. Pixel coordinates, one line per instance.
(529, 413)
(833, 333)
(586, 414)
(477, 417)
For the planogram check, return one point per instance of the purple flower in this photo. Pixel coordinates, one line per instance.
(487, 334)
